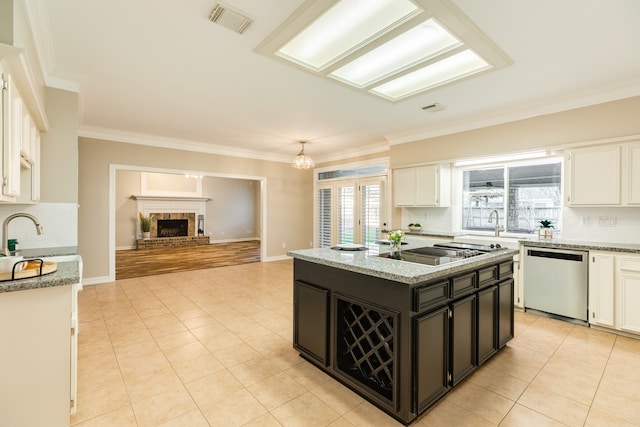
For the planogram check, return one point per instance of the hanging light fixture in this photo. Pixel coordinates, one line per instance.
(302, 161)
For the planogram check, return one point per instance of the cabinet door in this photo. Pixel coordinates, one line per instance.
(431, 357)
(11, 147)
(427, 186)
(463, 338)
(487, 323)
(634, 174)
(505, 312)
(404, 186)
(601, 288)
(591, 188)
(310, 310)
(629, 293)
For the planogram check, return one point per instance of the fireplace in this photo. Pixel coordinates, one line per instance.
(173, 227)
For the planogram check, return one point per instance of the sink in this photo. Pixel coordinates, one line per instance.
(505, 242)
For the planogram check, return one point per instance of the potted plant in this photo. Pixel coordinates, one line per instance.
(145, 225)
(415, 227)
(546, 229)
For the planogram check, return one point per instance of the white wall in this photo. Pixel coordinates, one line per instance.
(59, 222)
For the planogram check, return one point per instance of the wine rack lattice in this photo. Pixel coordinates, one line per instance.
(367, 347)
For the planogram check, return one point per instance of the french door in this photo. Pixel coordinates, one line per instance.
(350, 211)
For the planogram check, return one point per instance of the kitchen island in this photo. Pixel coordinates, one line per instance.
(400, 334)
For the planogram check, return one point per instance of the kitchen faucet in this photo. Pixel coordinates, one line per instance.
(498, 228)
(5, 229)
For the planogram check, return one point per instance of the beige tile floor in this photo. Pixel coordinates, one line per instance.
(213, 348)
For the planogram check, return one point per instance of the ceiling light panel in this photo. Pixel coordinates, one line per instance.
(454, 67)
(419, 44)
(343, 28)
(392, 49)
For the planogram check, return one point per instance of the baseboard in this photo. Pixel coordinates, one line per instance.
(244, 239)
(276, 258)
(97, 280)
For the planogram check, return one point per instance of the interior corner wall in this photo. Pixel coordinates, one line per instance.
(59, 149)
(289, 200)
(597, 122)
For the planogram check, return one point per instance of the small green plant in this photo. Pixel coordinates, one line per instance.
(396, 236)
(145, 222)
(545, 223)
(416, 225)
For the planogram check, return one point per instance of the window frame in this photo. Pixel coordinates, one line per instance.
(458, 186)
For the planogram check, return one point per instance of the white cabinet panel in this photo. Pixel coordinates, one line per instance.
(601, 288)
(594, 178)
(427, 185)
(634, 173)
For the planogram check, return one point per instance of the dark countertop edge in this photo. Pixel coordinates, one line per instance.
(66, 274)
(582, 245)
(399, 271)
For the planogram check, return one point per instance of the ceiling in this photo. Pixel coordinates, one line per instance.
(159, 72)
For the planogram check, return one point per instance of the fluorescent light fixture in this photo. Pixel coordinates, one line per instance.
(501, 159)
(392, 49)
(452, 68)
(344, 27)
(420, 43)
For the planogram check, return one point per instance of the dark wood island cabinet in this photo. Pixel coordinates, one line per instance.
(402, 345)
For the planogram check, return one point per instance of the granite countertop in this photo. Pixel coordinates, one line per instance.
(48, 252)
(368, 262)
(68, 273)
(581, 245)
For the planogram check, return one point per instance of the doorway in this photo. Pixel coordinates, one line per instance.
(233, 220)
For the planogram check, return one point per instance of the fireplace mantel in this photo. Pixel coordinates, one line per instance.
(171, 205)
(171, 198)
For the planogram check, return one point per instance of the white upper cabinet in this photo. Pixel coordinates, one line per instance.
(593, 177)
(606, 175)
(425, 186)
(633, 168)
(19, 146)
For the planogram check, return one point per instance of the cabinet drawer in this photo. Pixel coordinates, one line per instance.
(630, 263)
(505, 270)
(431, 295)
(487, 276)
(463, 284)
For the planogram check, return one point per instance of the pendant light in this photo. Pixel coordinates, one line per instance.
(302, 161)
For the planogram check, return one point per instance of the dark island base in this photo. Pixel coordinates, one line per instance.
(402, 347)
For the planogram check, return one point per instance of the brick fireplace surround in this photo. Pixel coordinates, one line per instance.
(155, 242)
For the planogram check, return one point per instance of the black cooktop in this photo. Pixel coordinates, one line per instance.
(469, 246)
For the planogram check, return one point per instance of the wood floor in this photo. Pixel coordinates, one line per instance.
(146, 262)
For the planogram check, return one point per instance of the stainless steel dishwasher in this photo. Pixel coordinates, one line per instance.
(556, 282)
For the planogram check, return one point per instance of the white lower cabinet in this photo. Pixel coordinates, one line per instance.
(37, 356)
(601, 288)
(628, 286)
(614, 290)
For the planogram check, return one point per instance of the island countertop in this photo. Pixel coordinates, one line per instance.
(411, 273)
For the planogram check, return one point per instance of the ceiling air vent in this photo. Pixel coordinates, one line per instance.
(433, 108)
(229, 18)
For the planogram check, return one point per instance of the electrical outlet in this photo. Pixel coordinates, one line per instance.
(222, 233)
(584, 221)
(310, 244)
(607, 221)
(284, 245)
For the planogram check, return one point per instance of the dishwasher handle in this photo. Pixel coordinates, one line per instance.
(565, 256)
